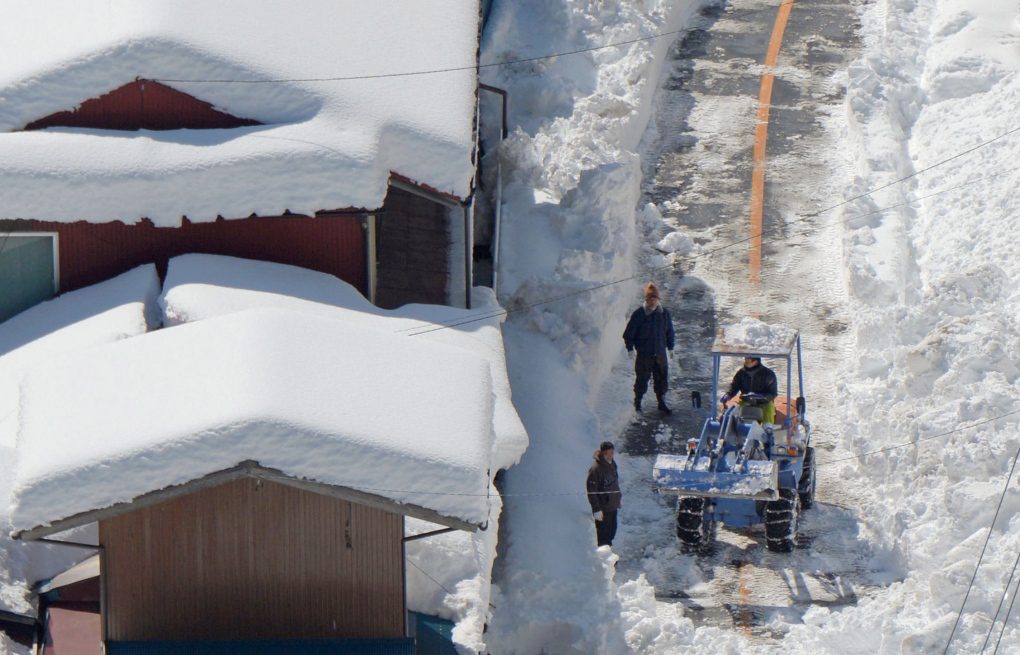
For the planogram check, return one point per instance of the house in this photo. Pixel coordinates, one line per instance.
(244, 471)
(131, 133)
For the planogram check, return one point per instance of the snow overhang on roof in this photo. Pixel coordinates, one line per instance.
(307, 400)
(324, 144)
(751, 337)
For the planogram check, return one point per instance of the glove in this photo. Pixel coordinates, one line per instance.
(725, 398)
(598, 516)
(631, 354)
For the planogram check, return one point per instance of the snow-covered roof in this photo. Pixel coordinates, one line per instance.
(262, 362)
(198, 287)
(118, 308)
(753, 337)
(323, 145)
(318, 399)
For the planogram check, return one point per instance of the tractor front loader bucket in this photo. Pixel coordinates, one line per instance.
(683, 476)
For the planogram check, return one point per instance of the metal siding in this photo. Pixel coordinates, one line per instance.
(253, 560)
(93, 252)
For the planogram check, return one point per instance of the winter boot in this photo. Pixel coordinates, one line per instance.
(662, 405)
(637, 404)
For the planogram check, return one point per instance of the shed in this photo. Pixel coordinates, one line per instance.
(135, 133)
(247, 484)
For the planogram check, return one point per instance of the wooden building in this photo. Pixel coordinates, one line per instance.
(371, 182)
(247, 558)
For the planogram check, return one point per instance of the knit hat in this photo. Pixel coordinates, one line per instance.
(606, 445)
(651, 291)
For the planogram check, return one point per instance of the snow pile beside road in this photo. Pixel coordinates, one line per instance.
(937, 343)
(572, 188)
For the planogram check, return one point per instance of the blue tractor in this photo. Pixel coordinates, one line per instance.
(741, 471)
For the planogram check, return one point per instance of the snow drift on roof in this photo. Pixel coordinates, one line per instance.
(118, 308)
(203, 286)
(325, 145)
(317, 398)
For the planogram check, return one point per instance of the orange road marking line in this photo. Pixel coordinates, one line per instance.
(745, 596)
(760, 137)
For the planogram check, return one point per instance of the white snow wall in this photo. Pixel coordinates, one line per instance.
(572, 186)
(933, 285)
(571, 171)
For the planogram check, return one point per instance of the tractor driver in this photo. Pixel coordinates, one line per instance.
(755, 378)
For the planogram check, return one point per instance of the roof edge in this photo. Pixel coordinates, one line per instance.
(245, 469)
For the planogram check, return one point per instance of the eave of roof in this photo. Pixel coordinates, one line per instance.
(246, 469)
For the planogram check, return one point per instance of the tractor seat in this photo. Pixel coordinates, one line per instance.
(751, 413)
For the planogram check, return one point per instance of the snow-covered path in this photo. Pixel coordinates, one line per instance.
(697, 174)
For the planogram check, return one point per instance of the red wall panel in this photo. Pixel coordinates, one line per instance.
(143, 104)
(92, 252)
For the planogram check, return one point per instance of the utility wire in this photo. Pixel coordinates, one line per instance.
(1005, 621)
(484, 316)
(422, 571)
(553, 494)
(919, 440)
(432, 71)
(1002, 601)
(981, 557)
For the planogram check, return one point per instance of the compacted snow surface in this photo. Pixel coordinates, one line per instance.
(934, 345)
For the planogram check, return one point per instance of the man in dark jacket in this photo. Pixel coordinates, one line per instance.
(650, 333)
(604, 493)
(755, 377)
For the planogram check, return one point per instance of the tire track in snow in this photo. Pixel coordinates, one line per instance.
(699, 165)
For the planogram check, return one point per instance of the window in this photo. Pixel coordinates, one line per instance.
(28, 270)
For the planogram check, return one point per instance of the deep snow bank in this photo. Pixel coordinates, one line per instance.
(572, 188)
(934, 284)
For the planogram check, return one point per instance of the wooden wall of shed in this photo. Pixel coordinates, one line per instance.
(413, 251)
(253, 560)
(93, 252)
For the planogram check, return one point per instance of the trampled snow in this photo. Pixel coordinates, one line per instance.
(325, 144)
(935, 340)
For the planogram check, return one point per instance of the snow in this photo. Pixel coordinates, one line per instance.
(265, 385)
(204, 286)
(752, 335)
(571, 189)
(933, 346)
(282, 408)
(324, 145)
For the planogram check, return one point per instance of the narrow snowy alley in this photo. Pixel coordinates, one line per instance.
(699, 157)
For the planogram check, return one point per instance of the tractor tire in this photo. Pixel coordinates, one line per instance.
(690, 522)
(806, 485)
(781, 518)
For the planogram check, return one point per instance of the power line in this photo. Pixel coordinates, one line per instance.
(553, 494)
(1002, 600)
(981, 557)
(484, 316)
(432, 71)
(1002, 630)
(919, 440)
